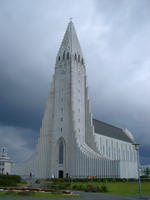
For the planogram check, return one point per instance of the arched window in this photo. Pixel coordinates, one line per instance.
(68, 56)
(78, 58)
(61, 152)
(59, 58)
(64, 55)
(75, 56)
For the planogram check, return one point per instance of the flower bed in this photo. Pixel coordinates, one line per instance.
(32, 189)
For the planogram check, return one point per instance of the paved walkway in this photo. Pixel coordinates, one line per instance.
(85, 196)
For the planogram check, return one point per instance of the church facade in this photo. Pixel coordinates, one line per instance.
(71, 142)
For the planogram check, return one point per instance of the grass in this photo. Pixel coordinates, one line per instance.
(128, 189)
(37, 194)
(124, 189)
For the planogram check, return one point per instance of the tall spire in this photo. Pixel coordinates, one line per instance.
(70, 41)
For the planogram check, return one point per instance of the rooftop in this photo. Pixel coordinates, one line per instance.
(110, 131)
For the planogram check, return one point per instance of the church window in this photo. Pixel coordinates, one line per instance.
(79, 130)
(119, 155)
(109, 152)
(75, 56)
(61, 109)
(64, 55)
(61, 119)
(103, 150)
(59, 58)
(62, 99)
(61, 152)
(61, 129)
(1, 163)
(68, 56)
(78, 58)
(82, 61)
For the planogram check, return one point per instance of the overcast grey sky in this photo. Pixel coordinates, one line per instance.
(115, 40)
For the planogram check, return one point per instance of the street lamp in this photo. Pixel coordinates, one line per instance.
(138, 163)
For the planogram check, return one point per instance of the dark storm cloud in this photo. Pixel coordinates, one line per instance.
(118, 70)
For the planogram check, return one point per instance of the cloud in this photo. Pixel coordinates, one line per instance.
(19, 141)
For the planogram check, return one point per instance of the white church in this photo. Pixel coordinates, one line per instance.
(71, 141)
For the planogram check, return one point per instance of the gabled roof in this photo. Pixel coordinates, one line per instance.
(110, 131)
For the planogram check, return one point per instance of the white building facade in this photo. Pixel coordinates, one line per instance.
(71, 142)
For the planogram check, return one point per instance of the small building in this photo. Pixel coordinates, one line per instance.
(5, 162)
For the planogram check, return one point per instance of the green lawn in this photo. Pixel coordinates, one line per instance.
(128, 189)
(125, 189)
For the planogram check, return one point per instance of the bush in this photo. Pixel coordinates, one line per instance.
(7, 183)
(9, 180)
(92, 188)
(37, 181)
(104, 188)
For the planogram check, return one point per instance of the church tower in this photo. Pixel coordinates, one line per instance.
(67, 112)
(71, 142)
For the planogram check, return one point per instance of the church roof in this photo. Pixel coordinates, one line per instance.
(110, 131)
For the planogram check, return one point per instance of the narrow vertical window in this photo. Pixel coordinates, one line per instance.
(68, 56)
(64, 55)
(75, 56)
(61, 152)
(78, 58)
(82, 61)
(59, 58)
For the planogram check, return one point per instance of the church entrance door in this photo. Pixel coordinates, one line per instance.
(61, 174)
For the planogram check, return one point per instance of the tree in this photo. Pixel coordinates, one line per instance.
(147, 171)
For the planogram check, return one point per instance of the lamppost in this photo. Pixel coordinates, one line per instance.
(138, 163)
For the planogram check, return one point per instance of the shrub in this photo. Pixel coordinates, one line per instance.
(7, 183)
(37, 181)
(92, 188)
(104, 188)
(74, 187)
